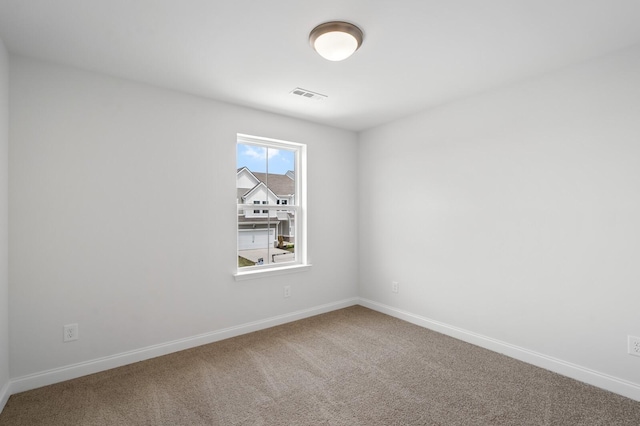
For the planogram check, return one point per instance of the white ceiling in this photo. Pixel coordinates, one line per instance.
(416, 53)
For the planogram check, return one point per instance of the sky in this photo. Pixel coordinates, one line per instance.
(255, 158)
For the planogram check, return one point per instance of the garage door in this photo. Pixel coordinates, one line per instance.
(255, 239)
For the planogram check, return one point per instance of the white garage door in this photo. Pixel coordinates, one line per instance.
(255, 239)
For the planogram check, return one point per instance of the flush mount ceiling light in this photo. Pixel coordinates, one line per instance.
(336, 40)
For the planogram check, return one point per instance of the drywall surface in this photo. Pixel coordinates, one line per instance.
(4, 215)
(514, 214)
(122, 199)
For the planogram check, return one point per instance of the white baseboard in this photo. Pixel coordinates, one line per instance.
(577, 372)
(5, 393)
(56, 375)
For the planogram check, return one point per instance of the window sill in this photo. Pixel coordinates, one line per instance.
(262, 273)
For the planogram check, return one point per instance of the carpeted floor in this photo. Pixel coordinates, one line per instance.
(349, 367)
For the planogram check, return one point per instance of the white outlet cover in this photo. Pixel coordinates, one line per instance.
(70, 333)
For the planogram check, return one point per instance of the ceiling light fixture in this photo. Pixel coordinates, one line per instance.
(336, 40)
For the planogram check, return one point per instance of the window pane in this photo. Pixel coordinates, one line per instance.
(281, 175)
(256, 240)
(265, 177)
(263, 241)
(285, 247)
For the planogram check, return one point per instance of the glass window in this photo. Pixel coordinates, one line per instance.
(270, 173)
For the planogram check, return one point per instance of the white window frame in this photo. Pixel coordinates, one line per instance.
(300, 263)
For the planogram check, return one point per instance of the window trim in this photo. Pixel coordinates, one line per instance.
(299, 206)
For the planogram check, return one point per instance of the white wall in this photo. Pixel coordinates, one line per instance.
(527, 229)
(525, 225)
(123, 217)
(4, 176)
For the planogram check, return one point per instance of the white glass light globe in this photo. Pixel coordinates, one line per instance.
(335, 45)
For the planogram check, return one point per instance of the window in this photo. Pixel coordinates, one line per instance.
(271, 174)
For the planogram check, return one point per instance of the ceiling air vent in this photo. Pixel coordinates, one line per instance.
(308, 94)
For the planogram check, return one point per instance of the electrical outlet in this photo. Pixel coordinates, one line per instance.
(395, 286)
(70, 332)
(287, 291)
(634, 345)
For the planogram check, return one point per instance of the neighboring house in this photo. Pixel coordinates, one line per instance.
(258, 227)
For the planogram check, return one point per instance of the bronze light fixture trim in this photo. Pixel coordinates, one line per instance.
(336, 40)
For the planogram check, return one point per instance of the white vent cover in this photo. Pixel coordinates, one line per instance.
(308, 94)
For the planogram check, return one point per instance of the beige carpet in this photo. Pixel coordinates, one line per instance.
(349, 367)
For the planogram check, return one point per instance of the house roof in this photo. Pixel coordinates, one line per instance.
(260, 184)
(280, 185)
(241, 192)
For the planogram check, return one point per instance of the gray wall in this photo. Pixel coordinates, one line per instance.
(523, 226)
(122, 203)
(4, 176)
